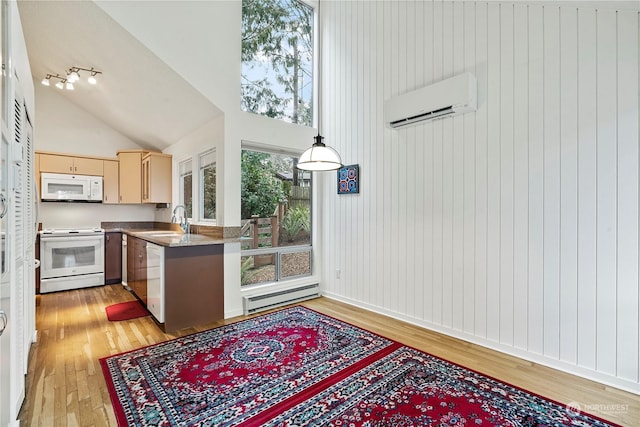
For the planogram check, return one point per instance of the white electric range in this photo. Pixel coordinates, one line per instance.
(71, 258)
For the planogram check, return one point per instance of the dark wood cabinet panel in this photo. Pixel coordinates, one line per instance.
(137, 267)
(141, 270)
(194, 286)
(112, 257)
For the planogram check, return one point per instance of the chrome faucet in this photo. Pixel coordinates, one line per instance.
(184, 223)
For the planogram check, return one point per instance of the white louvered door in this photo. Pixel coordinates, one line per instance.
(6, 318)
(17, 227)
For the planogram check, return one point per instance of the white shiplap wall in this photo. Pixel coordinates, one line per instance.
(516, 226)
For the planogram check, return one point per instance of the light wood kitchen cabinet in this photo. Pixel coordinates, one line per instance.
(110, 187)
(56, 163)
(130, 176)
(156, 178)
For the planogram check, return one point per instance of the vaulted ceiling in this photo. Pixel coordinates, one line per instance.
(137, 94)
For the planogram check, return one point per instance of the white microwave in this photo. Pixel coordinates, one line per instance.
(57, 187)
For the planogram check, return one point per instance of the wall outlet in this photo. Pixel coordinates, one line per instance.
(337, 273)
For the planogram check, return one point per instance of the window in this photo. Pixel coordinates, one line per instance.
(207, 205)
(277, 59)
(186, 186)
(276, 218)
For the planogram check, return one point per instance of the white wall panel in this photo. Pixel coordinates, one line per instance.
(606, 191)
(494, 91)
(515, 226)
(448, 170)
(419, 268)
(627, 133)
(427, 188)
(457, 276)
(521, 175)
(568, 184)
(481, 177)
(551, 185)
(506, 103)
(467, 309)
(535, 306)
(587, 175)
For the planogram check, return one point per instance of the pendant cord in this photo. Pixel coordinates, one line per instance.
(318, 70)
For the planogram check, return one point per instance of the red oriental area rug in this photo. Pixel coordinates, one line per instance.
(126, 311)
(297, 367)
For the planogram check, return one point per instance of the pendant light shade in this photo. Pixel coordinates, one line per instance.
(319, 157)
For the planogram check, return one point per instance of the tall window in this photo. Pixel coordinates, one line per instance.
(277, 59)
(207, 186)
(186, 186)
(276, 218)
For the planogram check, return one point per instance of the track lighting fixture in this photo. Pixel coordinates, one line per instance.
(72, 76)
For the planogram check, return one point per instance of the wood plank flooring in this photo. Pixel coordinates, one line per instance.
(65, 386)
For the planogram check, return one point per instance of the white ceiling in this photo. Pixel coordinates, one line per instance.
(138, 94)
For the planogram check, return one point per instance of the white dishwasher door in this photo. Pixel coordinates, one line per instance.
(155, 281)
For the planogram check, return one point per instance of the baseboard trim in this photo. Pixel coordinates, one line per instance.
(579, 371)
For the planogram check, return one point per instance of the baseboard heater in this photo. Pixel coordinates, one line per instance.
(260, 302)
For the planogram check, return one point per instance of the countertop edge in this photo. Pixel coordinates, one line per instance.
(184, 241)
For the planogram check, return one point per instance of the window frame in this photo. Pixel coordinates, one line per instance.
(287, 115)
(201, 186)
(278, 251)
(181, 187)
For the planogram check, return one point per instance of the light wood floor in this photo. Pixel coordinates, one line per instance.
(65, 386)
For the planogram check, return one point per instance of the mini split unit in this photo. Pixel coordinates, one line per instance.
(446, 98)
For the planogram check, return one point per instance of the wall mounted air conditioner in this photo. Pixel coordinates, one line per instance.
(446, 98)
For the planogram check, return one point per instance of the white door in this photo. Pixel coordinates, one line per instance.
(5, 280)
(5, 294)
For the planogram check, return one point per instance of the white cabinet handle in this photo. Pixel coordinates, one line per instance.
(3, 316)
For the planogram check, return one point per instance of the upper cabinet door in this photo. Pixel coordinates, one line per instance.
(156, 178)
(85, 166)
(110, 188)
(72, 165)
(130, 177)
(56, 164)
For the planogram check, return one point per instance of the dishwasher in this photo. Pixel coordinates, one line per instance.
(155, 281)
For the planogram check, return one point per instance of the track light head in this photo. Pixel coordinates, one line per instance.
(60, 85)
(73, 75)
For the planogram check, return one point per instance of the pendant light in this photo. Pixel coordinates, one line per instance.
(319, 157)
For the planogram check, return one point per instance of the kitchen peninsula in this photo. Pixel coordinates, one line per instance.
(179, 277)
